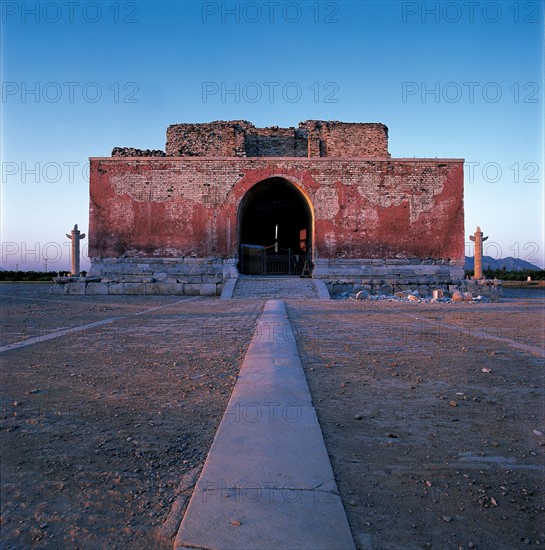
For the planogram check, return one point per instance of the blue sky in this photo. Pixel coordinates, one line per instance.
(449, 79)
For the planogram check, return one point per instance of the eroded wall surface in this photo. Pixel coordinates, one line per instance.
(363, 208)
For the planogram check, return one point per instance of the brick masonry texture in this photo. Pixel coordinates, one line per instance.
(315, 138)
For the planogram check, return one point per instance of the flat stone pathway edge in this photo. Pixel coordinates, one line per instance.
(267, 483)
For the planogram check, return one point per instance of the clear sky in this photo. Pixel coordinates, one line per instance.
(450, 80)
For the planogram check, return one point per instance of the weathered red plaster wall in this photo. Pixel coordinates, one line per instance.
(176, 206)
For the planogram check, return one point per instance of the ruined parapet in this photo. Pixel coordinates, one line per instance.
(214, 139)
(347, 139)
(312, 138)
(132, 152)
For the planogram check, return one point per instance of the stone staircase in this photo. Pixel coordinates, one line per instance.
(275, 288)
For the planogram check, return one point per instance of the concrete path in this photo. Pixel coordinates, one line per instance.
(279, 288)
(267, 482)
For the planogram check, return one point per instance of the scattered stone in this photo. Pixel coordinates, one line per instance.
(362, 295)
(35, 390)
(358, 417)
(453, 403)
(457, 296)
(447, 518)
(236, 523)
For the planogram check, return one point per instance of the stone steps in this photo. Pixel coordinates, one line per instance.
(275, 288)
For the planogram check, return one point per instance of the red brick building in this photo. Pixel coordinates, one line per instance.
(228, 198)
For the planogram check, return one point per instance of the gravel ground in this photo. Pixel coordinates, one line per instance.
(99, 428)
(431, 414)
(434, 432)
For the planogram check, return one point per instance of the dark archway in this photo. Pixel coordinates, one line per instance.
(275, 229)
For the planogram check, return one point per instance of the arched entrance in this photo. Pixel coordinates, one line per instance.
(275, 230)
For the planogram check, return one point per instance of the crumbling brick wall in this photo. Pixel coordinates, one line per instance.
(346, 139)
(213, 139)
(132, 152)
(241, 138)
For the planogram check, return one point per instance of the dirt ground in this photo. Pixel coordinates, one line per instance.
(433, 418)
(100, 427)
(103, 431)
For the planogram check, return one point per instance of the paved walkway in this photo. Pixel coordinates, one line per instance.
(267, 482)
(279, 288)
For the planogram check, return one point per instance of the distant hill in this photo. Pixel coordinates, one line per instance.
(510, 263)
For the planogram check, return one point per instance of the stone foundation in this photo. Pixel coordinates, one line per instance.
(388, 275)
(151, 276)
(207, 276)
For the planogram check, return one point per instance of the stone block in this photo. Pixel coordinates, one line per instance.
(116, 289)
(191, 289)
(94, 289)
(212, 279)
(75, 288)
(339, 289)
(175, 279)
(135, 288)
(170, 289)
(151, 289)
(57, 289)
(208, 289)
(423, 290)
(387, 288)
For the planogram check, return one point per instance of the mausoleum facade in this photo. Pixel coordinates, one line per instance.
(324, 199)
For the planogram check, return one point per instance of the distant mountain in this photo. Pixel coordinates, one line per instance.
(510, 263)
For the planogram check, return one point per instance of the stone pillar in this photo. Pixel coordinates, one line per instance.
(478, 238)
(75, 237)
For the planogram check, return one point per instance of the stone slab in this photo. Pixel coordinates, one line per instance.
(75, 288)
(135, 288)
(227, 292)
(191, 289)
(321, 288)
(116, 288)
(269, 519)
(207, 289)
(267, 481)
(95, 289)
